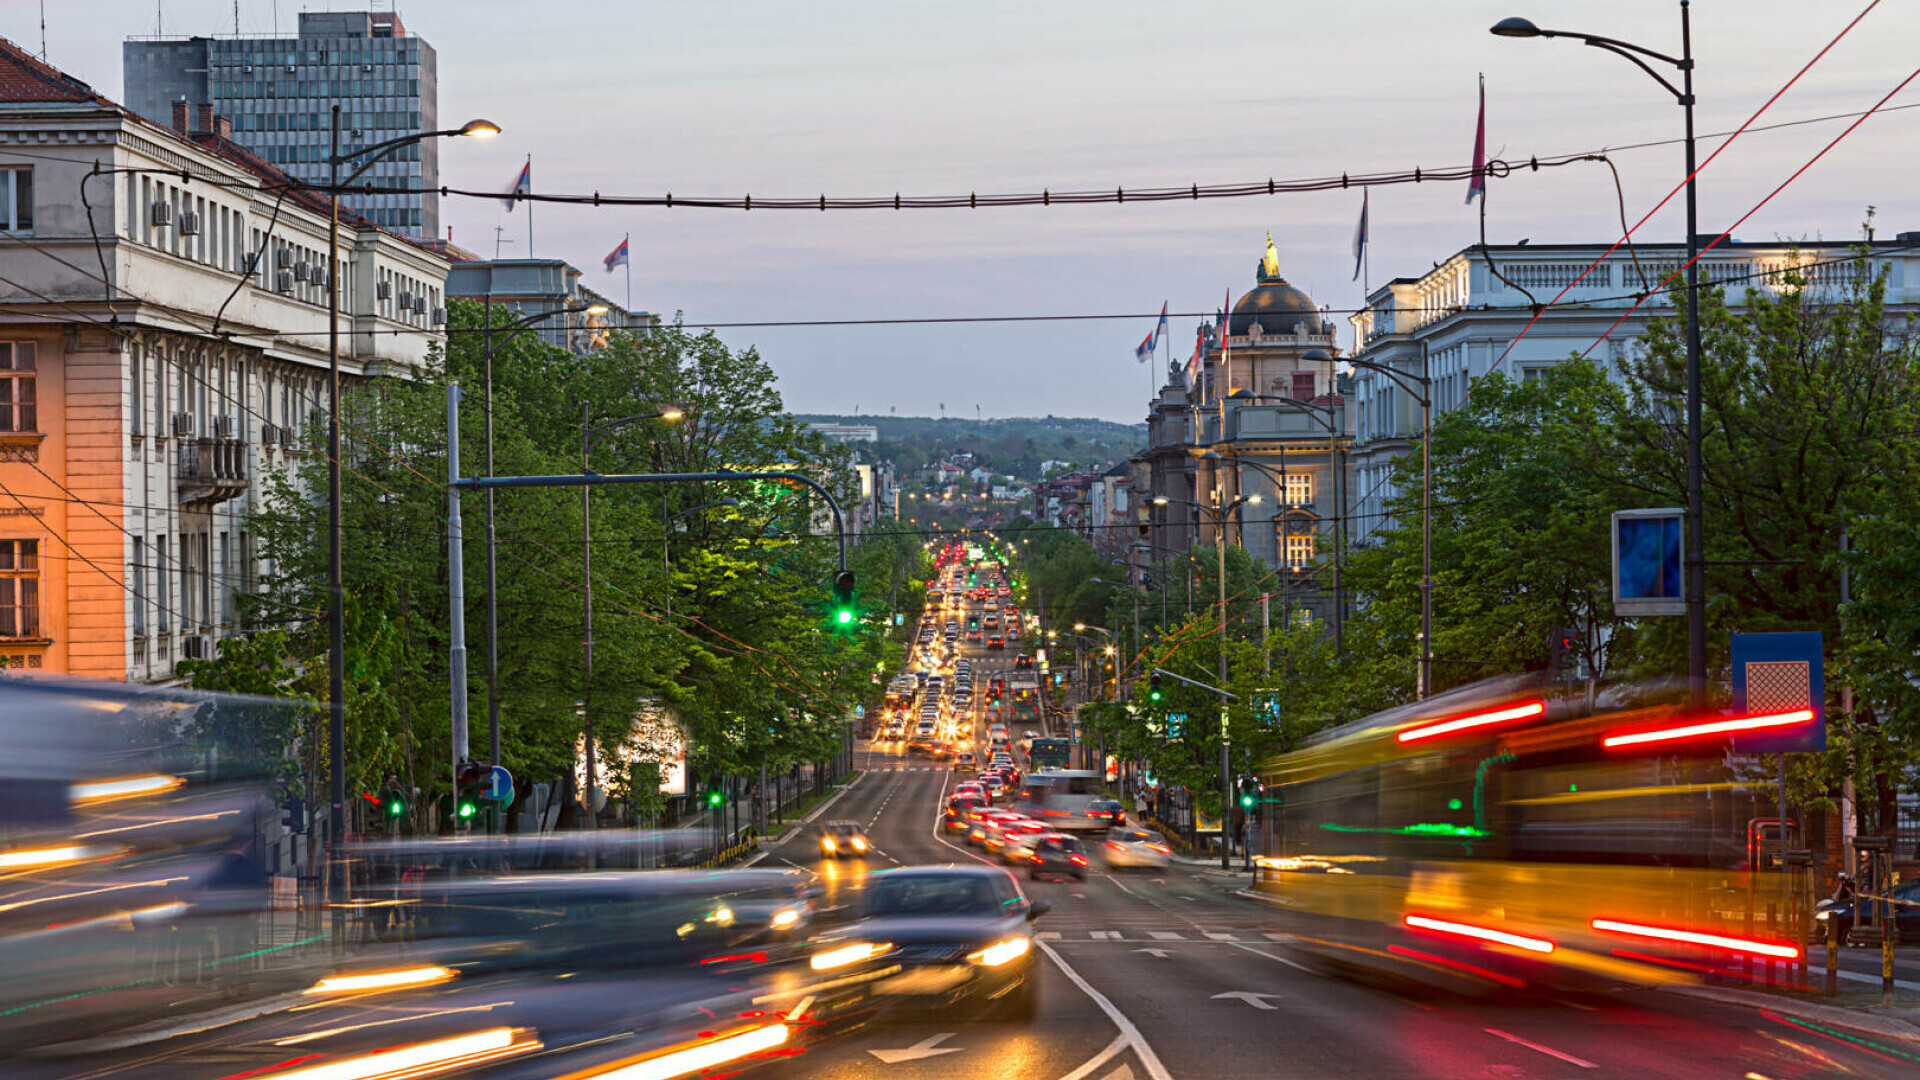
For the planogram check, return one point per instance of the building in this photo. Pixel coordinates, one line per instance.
(1462, 321)
(844, 433)
(529, 286)
(1262, 413)
(161, 353)
(280, 91)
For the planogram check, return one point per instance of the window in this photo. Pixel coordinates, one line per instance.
(1299, 489)
(17, 397)
(19, 588)
(166, 583)
(1299, 551)
(138, 384)
(16, 199)
(1303, 386)
(139, 587)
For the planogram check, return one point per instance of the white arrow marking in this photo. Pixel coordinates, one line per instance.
(925, 1048)
(1256, 1000)
(1161, 953)
(1121, 1073)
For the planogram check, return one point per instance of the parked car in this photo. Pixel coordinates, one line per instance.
(1906, 913)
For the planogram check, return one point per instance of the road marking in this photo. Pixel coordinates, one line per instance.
(1086, 1067)
(1271, 936)
(1276, 959)
(1104, 935)
(1165, 935)
(1547, 1050)
(1121, 1073)
(1159, 953)
(1188, 899)
(1256, 1000)
(1212, 935)
(1148, 1059)
(1047, 935)
(1577, 1005)
(925, 1048)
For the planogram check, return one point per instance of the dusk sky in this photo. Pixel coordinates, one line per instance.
(861, 99)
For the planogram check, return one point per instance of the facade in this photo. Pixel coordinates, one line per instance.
(280, 91)
(1460, 321)
(527, 286)
(157, 360)
(1263, 413)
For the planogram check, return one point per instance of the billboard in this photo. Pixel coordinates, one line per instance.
(1647, 546)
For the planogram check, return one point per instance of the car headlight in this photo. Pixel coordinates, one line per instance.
(846, 954)
(1822, 916)
(1002, 952)
(827, 845)
(785, 917)
(859, 844)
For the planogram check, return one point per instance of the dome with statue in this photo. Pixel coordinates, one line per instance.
(1276, 306)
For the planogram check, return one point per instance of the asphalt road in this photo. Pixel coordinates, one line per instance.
(1169, 974)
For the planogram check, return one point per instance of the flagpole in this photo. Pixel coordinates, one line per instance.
(626, 247)
(529, 206)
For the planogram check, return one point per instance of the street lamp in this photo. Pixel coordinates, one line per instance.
(1221, 514)
(488, 346)
(588, 430)
(336, 588)
(1695, 528)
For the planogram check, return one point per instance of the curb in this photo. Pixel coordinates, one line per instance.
(1884, 1026)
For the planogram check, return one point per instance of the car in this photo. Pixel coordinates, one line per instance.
(973, 637)
(1017, 840)
(947, 937)
(1058, 854)
(964, 762)
(1136, 847)
(958, 815)
(1022, 663)
(1107, 812)
(998, 830)
(1906, 913)
(843, 839)
(996, 642)
(986, 823)
(970, 787)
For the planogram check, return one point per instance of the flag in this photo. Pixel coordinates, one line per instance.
(1145, 351)
(618, 257)
(1360, 234)
(1198, 359)
(1477, 183)
(523, 185)
(1161, 330)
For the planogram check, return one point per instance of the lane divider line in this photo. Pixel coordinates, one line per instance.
(1547, 1050)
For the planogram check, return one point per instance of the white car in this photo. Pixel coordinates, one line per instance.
(1136, 847)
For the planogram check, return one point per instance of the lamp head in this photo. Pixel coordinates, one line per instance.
(1317, 356)
(1515, 26)
(672, 412)
(480, 129)
(1080, 626)
(1160, 500)
(1210, 455)
(1240, 394)
(596, 310)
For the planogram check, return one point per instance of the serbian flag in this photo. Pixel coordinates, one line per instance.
(523, 185)
(618, 257)
(1198, 359)
(1477, 183)
(1360, 235)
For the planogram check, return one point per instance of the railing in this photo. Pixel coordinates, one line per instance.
(211, 470)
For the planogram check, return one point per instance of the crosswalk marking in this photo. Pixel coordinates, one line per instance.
(1105, 935)
(1165, 935)
(1270, 936)
(1047, 935)
(1214, 935)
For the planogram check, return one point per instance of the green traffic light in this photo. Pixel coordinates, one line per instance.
(844, 616)
(396, 808)
(467, 809)
(1246, 801)
(713, 798)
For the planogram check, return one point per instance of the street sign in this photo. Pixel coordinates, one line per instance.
(1776, 675)
(500, 786)
(1646, 562)
(859, 712)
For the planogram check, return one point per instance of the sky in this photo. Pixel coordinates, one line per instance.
(938, 98)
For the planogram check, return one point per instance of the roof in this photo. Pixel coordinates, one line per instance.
(25, 78)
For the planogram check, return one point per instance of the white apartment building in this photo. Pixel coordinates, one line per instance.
(163, 345)
(1460, 321)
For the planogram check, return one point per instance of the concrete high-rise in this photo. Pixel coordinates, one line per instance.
(279, 92)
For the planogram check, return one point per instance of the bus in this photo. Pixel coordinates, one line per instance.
(1495, 836)
(1059, 797)
(1048, 753)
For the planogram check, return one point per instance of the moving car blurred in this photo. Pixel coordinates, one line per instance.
(1107, 812)
(843, 839)
(946, 937)
(1058, 854)
(1136, 847)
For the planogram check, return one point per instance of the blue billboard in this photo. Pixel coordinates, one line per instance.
(1647, 546)
(1777, 678)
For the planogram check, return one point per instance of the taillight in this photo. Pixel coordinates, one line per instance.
(1079, 860)
(1116, 845)
(1161, 848)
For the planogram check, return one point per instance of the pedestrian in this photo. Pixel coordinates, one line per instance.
(1843, 890)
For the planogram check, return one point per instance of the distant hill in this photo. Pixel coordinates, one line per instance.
(1014, 445)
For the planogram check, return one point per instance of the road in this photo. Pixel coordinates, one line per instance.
(1158, 975)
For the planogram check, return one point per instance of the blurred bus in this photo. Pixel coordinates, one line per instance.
(1494, 836)
(1060, 798)
(1049, 753)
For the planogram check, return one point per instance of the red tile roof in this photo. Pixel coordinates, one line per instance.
(24, 78)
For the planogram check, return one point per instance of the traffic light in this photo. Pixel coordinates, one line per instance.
(394, 803)
(715, 798)
(1250, 790)
(843, 610)
(1153, 687)
(472, 779)
(1563, 650)
(293, 814)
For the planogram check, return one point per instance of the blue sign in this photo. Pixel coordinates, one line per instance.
(500, 785)
(1775, 677)
(1646, 563)
(1176, 725)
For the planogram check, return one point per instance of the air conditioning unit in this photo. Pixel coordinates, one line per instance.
(195, 648)
(383, 290)
(182, 425)
(283, 258)
(248, 69)
(223, 427)
(439, 316)
(300, 271)
(251, 263)
(286, 436)
(161, 214)
(269, 434)
(406, 300)
(189, 223)
(420, 305)
(283, 281)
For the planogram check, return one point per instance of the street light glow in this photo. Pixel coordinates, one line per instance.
(479, 129)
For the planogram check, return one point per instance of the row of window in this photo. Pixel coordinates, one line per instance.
(207, 589)
(354, 51)
(322, 123)
(259, 86)
(188, 395)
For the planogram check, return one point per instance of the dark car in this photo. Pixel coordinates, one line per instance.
(948, 937)
(1107, 813)
(1058, 854)
(843, 839)
(1906, 914)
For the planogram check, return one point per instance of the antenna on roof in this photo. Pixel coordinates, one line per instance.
(43, 31)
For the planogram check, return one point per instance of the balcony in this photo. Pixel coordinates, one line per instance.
(212, 470)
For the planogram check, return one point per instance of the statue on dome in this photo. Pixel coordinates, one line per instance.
(1270, 262)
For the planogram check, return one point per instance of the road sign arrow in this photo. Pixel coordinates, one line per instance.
(925, 1048)
(1256, 1000)
(1161, 953)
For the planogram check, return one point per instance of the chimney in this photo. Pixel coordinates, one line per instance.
(223, 127)
(180, 115)
(203, 118)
